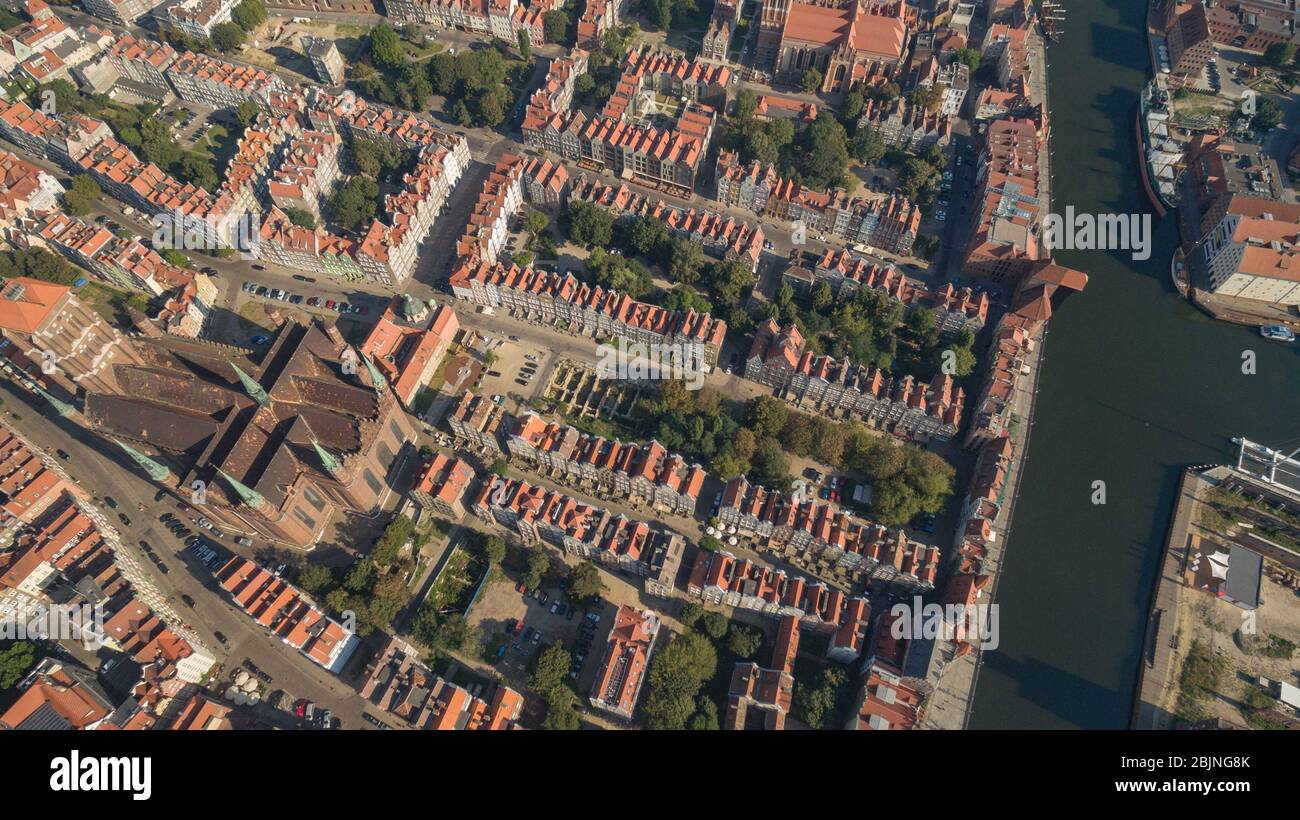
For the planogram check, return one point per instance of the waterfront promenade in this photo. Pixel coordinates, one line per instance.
(949, 706)
(1158, 673)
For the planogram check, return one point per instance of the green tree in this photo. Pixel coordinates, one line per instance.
(685, 261)
(249, 14)
(493, 550)
(536, 564)
(386, 48)
(549, 671)
(490, 109)
(317, 579)
(395, 536)
(555, 25)
(353, 203)
(81, 195)
(526, 44)
(713, 624)
(1279, 53)
(14, 663)
(705, 718)
(677, 672)
(585, 584)
(247, 112)
(301, 217)
(970, 57)
(227, 36)
(690, 614)
(810, 81)
(1268, 115)
(743, 640)
(710, 544)
(589, 224)
(867, 147)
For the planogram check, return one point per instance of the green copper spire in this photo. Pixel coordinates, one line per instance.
(62, 407)
(251, 387)
(157, 471)
(248, 495)
(327, 458)
(376, 377)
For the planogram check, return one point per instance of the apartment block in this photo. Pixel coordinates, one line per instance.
(196, 18)
(325, 59)
(478, 422)
(625, 662)
(142, 60)
(214, 83)
(442, 486)
(284, 612)
(122, 12)
(760, 698)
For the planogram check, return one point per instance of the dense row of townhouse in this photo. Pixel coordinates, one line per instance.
(190, 296)
(397, 682)
(620, 139)
(720, 235)
(1005, 238)
(644, 473)
(905, 126)
(723, 23)
(955, 309)
(503, 19)
(500, 198)
(785, 521)
(620, 543)
(562, 298)
(724, 579)
(890, 223)
(214, 83)
(907, 407)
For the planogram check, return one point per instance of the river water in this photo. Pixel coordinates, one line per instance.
(1136, 385)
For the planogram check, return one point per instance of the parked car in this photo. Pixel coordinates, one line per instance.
(221, 639)
(108, 500)
(125, 521)
(244, 541)
(187, 599)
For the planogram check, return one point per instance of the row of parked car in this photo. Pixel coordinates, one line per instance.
(281, 295)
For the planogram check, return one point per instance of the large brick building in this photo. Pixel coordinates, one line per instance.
(272, 449)
(849, 42)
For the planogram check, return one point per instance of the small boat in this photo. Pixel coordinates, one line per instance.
(1277, 333)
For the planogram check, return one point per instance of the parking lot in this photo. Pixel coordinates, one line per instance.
(525, 623)
(515, 369)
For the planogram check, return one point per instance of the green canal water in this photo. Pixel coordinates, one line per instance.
(1136, 385)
